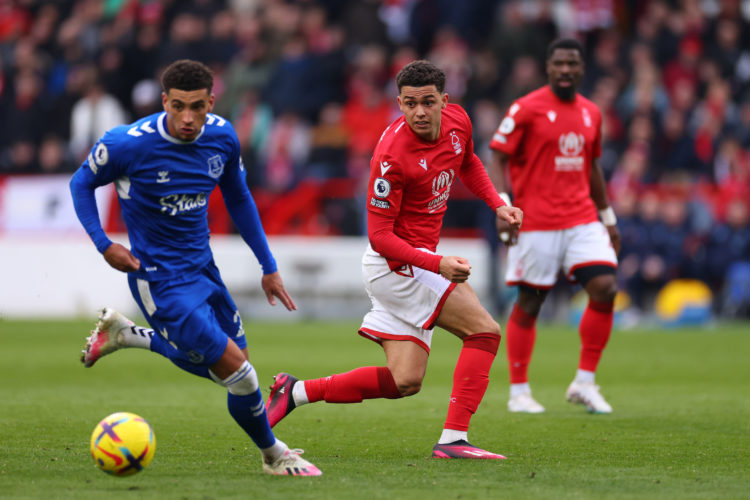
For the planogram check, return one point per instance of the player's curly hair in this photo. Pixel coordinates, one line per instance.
(187, 74)
(420, 74)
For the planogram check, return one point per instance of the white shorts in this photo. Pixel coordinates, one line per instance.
(538, 256)
(405, 302)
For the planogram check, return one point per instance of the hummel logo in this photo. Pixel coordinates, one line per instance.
(384, 166)
(423, 163)
(163, 176)
(552, 116)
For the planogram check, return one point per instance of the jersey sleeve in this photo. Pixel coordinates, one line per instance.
(511, 130)
(474, 176)
(243, 210)
(106, 162)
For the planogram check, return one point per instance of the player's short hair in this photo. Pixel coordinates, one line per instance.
(187, 74)
(564, 43)
(421, 73)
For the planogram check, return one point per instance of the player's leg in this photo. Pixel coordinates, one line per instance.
(160, 303)
(465, 317)
(592, 260)
(222, 323)
(245, 403)
(113, 331)
(520, 337)
(365, 382)
(533, 265)
(404, 305)
(594, 330)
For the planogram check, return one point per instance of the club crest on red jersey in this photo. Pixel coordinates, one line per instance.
(571, 145)
(456, 142)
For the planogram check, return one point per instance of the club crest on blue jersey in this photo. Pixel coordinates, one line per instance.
(215, 166)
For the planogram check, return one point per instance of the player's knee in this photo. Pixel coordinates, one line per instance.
(408, 386)
(493, 327)
(485, 325)
(242, 382)
(604, 289)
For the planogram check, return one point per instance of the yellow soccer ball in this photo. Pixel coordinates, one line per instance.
(122, 444)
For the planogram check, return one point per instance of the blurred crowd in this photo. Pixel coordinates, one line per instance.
(309, 87)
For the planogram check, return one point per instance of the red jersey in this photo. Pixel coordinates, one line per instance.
(410, 182)
(551, 146)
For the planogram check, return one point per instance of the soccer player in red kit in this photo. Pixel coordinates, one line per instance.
(547, 145)
(412, 288)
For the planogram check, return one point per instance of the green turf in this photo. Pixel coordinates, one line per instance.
(679, 430)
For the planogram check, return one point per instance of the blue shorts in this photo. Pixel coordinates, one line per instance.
(194, 316)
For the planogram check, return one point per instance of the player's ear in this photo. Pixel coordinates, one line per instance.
(211, 100)
(164, 100)
(446, 98)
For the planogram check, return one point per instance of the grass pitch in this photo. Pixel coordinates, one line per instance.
(679, 429)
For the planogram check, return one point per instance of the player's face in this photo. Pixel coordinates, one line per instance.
(186, 111)
(422, 108)
(564, 72)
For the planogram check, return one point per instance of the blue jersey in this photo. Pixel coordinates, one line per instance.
(163, 185)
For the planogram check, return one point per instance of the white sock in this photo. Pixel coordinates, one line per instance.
(299, 394)
(516, 389)
(272, 453)
(584, 377)
(135, 336)
(451, 435)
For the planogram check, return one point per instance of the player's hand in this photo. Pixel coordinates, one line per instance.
(121, 259)
(507, 223)
(614, 237)
(455, 269)
(274, 287)
(511, 215)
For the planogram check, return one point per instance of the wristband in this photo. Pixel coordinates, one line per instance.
(608, 217)
(504, 196)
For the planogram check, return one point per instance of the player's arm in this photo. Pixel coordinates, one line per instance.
(98, 169)
(507, 140)
(475, 177)
(244, 213)
(599, 195)
(389, 245)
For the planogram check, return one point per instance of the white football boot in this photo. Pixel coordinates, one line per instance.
(587, 394)
(524, 403)
(290, 463)
(106, 337)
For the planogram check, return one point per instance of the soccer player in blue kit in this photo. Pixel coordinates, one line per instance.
(164, 167)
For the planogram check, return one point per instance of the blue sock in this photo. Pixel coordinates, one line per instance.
(250, 413)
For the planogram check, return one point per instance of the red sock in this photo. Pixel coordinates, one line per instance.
(520, 336)
(470, 378)
(367, 382)
(595, 327)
